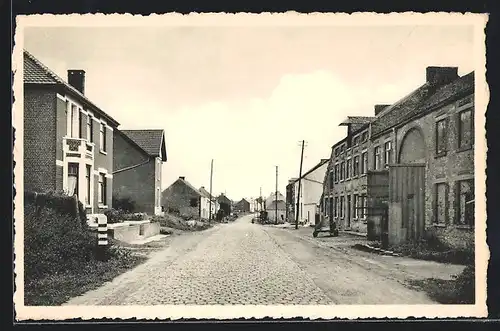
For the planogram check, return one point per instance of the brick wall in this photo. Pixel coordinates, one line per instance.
(179, 196)
(137, 183)
(39, 139)
(455, 165)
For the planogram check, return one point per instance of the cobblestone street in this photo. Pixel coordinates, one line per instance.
(245, 263)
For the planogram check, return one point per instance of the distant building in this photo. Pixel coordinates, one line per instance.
(311, 188)
(276, 207)
(207, 205)
(184, 199)
(242, 206)
(137, 161)
(225, 204)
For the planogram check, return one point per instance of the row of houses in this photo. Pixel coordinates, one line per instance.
(411, 164)
(71, 145)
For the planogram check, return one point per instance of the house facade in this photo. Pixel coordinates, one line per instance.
(311, 188)
(206, 206)
(417, 158)
(225, 204)
(68, 140)
(276, 207)
(182, 198)
(289, 199)
(242, 206)
(137, 168)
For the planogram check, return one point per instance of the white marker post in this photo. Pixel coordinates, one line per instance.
(102, 238)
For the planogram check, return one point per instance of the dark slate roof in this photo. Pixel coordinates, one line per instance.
(185, 182)
(205, 193)
(421, 100)
(223, 199)
(35, 72)
(151, 141)
(357, 120)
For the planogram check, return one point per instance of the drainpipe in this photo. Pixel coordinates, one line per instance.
(131, 167)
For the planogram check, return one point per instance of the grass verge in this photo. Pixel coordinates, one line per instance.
(58, 287)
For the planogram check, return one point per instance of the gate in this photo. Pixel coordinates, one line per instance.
(406, 202)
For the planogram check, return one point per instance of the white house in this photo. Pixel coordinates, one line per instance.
(310, 192)
(274, 206)
(205, 204)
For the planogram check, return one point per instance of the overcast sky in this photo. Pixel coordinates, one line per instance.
(246, 96)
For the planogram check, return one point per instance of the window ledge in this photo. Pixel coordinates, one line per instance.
(464, 227)
(103, 152)
(438, 225)
(103, 206)
(465, 148)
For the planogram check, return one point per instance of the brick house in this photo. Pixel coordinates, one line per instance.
(183, 198)
(68, 140)
(417, 156)
(137, 167)
(311, 188)
(242, 206)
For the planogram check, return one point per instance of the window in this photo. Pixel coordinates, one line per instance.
(348, 169)
(80, 120)
(356, 205)
(364, 162)
(102, 189)
(73, 178)
(365, 205)
(342, 207)
(330, 180)
(465, 129)
(355, 166)
(336, 173)
(388, 153)
(441, 208)
(193, 202)
(336, 207)
(356, 141)
(90, 131)
(88, 176)
(74, 118)
(364, 136)
(342, 170)
(441, 137)
(378, 158)
(465, 202)
(102, 137)
(337, 151)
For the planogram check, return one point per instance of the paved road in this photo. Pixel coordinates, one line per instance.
(245, 263)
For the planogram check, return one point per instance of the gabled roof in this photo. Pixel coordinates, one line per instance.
(421, 100)
(223, 199)
(187, 184)
(322, 162)
(35, 72)
(151, 141)
(205, 193)
(242, 201)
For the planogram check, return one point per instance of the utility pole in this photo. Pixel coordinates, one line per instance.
(300, 182)
(260, 199)
(276, 199)
(211, 174)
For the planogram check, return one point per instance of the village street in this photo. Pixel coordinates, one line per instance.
(245, 263)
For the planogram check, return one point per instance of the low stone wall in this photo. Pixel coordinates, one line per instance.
(150, 229)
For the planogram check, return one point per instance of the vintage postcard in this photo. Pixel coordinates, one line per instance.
(250, 165)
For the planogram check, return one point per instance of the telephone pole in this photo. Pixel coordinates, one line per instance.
(211, 175)
(276, 199)
(298, 192)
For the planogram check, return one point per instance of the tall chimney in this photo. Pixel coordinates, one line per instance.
(437, 76)
(76, 78)
(379, 108)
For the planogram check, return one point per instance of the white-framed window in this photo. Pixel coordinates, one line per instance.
(90, 131)
(355, 166)
(102, 189)
(102, 137)
(342, 170)
(388, 152)
(465, 129)
(348, 169)
(465, 202)
(356, 206)
(364, 162)
(377, 159)
(342, 205)
(336, 208)
(73, 178)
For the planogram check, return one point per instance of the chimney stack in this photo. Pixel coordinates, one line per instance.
(182, 177)
(76, 78)
(437, 76)
(379, 108)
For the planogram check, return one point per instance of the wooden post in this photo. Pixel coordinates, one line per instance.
(300, 182)
(276, 199)
(102, 238)
(211, 174)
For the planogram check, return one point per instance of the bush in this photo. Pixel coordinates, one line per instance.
(124, 203)
(53, 242)
(114, 215)
(465, 285)
(134, 217)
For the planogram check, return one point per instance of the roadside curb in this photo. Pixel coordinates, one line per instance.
(368, 248)
(358, 234)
